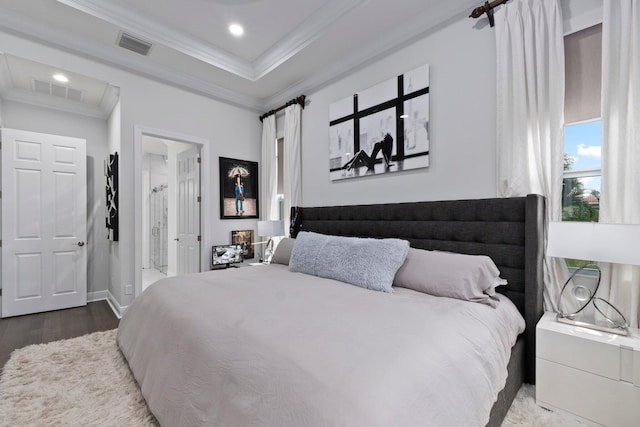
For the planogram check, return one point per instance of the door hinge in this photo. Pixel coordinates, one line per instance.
(198, 238)
(199, 160)
(199, 198)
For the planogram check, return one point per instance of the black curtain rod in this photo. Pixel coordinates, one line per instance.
(488, 9)
(298, 100)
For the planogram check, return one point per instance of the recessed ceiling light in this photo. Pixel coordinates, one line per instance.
(61, 78)
(236, 29)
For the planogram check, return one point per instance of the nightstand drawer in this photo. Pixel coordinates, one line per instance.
(578, 352)
(595, 398)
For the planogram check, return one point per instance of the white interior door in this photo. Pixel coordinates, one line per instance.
(44, 222)
(188, 201)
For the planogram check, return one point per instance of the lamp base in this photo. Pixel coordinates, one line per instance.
(597, 326)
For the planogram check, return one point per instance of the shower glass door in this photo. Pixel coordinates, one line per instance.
(158, 222)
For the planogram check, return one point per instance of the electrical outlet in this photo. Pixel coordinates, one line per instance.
(128, 289)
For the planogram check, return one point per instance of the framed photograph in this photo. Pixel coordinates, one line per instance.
(382, 129)
(244, 238)
(238, 189)
(224, 255)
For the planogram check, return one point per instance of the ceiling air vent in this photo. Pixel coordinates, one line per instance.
(53, 89)
(134, 44)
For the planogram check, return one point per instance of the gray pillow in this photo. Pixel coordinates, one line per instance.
(283, 251)
(368, 263)
(448, 274)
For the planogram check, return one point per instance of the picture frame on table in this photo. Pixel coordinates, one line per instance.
(245, 239)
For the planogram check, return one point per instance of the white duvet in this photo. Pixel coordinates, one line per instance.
(261, 346)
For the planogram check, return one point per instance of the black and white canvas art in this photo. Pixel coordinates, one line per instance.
(111, 173)
(382, 129)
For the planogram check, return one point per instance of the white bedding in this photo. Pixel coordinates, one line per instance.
(261, 346)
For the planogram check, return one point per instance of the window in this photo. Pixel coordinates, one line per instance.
(582, 130)
(582, 172)
(280, 163)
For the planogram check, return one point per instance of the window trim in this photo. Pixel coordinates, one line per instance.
(581, 173)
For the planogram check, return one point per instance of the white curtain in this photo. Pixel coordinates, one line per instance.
(530, 111)
(269, 174)
(291, 175)
(620, 196)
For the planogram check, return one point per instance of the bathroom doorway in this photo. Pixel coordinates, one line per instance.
(164, 204)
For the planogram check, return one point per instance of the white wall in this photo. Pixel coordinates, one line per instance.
(115, 282)
(94, 131)
(461, 127)
(231, 132)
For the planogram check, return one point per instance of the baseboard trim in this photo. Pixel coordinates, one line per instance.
(97, 296)
(118, 310)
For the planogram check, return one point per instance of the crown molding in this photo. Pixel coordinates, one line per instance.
(140, 25)
(413, 30)
(6, 82)
(60, 104)
(110, 98)
(42, 34)
(307, 32)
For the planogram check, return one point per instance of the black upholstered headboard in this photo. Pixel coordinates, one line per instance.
(509, 230)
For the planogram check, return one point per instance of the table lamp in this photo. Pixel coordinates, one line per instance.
(592, 242)
(270, 229)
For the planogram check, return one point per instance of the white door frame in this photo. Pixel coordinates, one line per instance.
(205, 182)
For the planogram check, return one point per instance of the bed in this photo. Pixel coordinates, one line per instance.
(266, 345)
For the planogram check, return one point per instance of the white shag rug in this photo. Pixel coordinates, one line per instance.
(85, 381)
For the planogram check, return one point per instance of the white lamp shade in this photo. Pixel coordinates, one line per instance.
(593, 241)
(270, 228)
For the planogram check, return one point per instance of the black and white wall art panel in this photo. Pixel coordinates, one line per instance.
(382, 129)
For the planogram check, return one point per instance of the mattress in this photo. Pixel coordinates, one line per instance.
(262, 346)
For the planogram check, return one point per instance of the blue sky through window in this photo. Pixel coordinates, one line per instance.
(582, 143)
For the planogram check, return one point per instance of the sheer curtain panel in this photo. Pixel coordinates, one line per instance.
(292, 175)
(269, 175)
(530, 111)
(620, 200)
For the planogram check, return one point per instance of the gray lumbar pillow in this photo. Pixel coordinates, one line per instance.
(368, 263)
(446, 274)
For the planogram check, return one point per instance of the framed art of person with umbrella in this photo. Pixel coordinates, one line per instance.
(238, 189)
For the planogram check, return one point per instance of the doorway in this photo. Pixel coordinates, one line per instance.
(168, 206)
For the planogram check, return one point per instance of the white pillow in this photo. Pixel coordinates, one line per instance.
(448, 274)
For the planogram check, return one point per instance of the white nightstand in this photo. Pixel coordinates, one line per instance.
(593, 375)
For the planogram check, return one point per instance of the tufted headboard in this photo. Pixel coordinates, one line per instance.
(509, 230)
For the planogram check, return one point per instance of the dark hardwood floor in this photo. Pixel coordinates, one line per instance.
(17, 332)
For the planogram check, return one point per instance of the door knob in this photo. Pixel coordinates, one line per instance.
(81, 244)
(176, 239)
